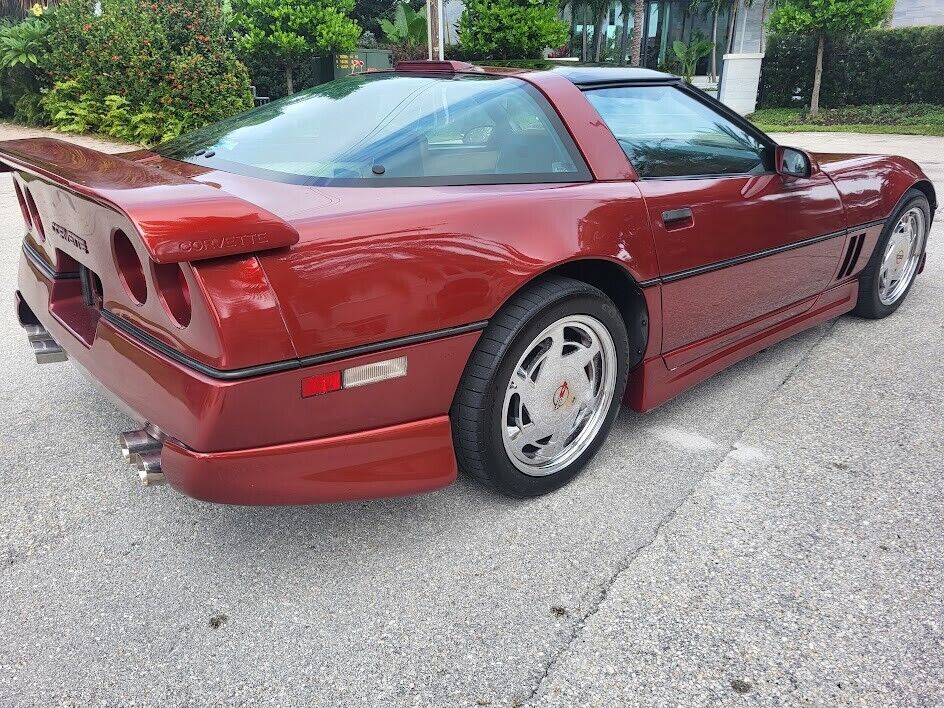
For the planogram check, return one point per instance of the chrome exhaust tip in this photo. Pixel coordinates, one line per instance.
(47, 351)
(134, 441)
(148, 464)
(142, 448)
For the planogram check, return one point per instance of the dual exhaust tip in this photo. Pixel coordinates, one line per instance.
(142, 449)
(45, 348)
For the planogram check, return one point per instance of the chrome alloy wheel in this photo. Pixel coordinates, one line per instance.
(902, 255)
(559, 395)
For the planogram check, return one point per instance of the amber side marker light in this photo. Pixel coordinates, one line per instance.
(353, 377)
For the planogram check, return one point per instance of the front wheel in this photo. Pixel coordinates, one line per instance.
(891, 270)
(542, 388)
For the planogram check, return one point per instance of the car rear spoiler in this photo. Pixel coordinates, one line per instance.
(178, 219)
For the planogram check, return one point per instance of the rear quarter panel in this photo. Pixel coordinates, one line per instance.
(434, 258)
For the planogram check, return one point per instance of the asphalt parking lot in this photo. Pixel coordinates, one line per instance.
(772, 537)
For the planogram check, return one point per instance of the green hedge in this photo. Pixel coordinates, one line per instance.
(893, 66)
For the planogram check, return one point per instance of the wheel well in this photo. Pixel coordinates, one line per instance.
(622, 289)
(928, 189)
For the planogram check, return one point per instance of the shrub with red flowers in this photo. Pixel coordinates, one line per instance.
(142, 70)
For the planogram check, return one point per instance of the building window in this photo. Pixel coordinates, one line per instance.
(668, 21)
(583, 24)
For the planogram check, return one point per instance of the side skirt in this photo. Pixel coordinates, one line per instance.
(653, 383)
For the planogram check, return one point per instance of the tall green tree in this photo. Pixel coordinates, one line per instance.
(511, 29)
(368, 13)
(822, 17)
(293, 31)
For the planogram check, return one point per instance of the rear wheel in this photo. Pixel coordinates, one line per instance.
(542, 388)
(891, 270)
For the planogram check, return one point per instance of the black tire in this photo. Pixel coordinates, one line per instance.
(869, 305)
(477, 412)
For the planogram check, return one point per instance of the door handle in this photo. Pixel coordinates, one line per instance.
(676, 218)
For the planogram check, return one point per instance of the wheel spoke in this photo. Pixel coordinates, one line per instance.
(583, 412)
(584, 355)
(552, 448)
(529, 435)
(888, 263)
(525, 386)
(556, 350)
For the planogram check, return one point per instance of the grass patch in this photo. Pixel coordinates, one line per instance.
(907, 119)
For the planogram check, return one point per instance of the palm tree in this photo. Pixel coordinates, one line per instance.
(639, 13)
(601, 15)
(715, 8)
(626, 6)
(578, 9)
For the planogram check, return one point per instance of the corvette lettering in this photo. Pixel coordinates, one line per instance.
(224, 244)
(70, 237)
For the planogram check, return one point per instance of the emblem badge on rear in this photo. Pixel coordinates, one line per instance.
(70, 237)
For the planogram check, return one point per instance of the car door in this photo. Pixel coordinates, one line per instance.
(739, 246)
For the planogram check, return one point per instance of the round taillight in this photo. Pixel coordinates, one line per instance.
(172, 287)
(129, 267)
(34, 215)
(23, 208)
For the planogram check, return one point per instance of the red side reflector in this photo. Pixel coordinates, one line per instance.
(321, 383)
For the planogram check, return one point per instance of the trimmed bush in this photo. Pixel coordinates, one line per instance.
(142, 70)
(910, 114)
(509, 29)
(889, 66)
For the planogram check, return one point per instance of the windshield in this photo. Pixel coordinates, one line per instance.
(388, 129)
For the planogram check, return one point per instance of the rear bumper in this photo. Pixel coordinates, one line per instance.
(256, 440)
(409, 458)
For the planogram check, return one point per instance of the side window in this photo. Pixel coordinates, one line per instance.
(666, 133)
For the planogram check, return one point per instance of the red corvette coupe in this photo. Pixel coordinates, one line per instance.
(353, 291)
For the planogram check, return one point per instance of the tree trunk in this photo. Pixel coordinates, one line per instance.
(817, 77)
(732, 25)
(639, 13)
(763, 29)
(714, 47)
(290, 87)
(583, 40)
(598, 36)
(624, 37)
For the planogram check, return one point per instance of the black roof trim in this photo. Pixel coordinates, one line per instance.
(593, 75)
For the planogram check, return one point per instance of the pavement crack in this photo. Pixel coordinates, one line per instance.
(603, 589)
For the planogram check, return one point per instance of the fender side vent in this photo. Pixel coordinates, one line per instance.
(852, 256)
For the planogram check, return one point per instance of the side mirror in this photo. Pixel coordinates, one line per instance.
(792, 162)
